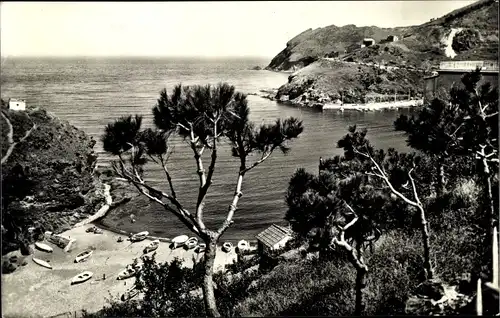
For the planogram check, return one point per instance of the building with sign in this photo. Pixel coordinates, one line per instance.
(450, 73)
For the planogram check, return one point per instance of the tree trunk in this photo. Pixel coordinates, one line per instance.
(360, 279)
(429, 272)
(490, 205)
(360, 286)
(208, 284)
(441, 182)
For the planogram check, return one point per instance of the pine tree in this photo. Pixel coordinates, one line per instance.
(204, 116)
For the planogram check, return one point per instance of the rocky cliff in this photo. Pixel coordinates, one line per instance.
(331, 62)
(48, 180)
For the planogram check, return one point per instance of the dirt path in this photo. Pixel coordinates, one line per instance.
(10, 138)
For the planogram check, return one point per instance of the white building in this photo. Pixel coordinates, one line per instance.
(17, 104)
(392, 38)
(367, 42)
(273, 238)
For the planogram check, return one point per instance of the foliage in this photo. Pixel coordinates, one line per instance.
(167, 289)
(395, 270)
(459, 250)
(242, 263)
(466, 40)
(232, 291)
(433, 129)
(290, 289)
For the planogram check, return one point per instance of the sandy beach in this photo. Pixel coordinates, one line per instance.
(35, 291)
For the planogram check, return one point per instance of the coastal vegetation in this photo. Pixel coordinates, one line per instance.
(377, 232)
(204, 116)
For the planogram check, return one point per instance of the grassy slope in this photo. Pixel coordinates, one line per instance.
(313, 288)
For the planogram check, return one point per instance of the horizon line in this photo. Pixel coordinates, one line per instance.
(6, 56)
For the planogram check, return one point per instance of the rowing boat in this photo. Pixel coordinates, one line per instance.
(42, 263)
(43, 247)
(82, 277)
(83, 256)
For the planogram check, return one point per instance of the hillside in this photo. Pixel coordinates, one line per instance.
(330, 62)
(416, 43)
(47, 181)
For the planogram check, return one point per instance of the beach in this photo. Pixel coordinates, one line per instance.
(35, 291)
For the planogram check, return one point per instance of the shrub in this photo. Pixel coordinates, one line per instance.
(230, 292)
(168, 290)
(457, 252)
(306, 288)
(457, 208)
(394, 271)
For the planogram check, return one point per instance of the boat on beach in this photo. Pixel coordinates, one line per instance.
(129, 294)
(83, 256)
(243, 245)
(82, 277)
(191, 243)
(129, 272)
(179, 240)
(43, 247)
(139, 236)
(151, 246)
(227, 247)
(42, 263)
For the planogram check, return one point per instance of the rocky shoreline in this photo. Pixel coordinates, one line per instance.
(320, 101)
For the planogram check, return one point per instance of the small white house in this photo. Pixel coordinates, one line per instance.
(17, 104)
(273, 238)
(392, 38)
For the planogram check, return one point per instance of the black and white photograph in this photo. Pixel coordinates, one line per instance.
(249, 158)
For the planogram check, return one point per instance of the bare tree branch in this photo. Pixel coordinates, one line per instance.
(341, 242)
(414, 187)
(261, 160)
(189, 225)
(384, 177)
(182, 214)
(167, 174)
(134, 177)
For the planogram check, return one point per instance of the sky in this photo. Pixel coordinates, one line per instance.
(205, 29)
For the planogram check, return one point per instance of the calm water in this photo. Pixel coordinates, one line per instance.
(89, 93)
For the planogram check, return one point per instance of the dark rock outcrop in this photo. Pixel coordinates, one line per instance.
(434, 297)
(465, 40)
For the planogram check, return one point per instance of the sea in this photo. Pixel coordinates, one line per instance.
(91, 92)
